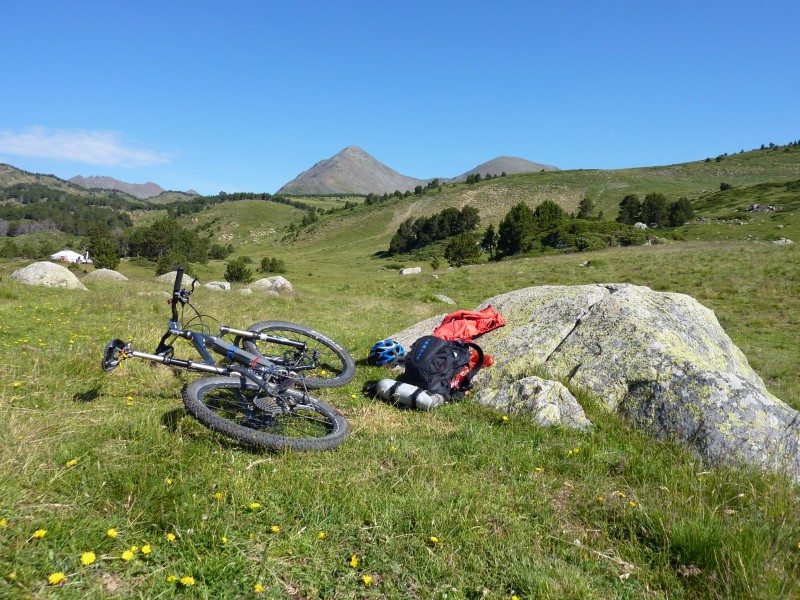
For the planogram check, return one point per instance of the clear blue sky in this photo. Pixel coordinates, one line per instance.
(243, 96)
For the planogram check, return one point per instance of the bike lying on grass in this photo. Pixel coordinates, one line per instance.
(260, 394)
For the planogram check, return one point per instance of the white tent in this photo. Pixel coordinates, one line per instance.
(70, 256)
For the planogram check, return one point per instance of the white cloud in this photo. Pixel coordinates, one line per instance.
(105, 148)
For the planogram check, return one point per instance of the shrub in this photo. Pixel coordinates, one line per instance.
(170, 262)
(237, 271)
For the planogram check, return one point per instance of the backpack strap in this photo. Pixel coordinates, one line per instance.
(414, 396)
(467, 383)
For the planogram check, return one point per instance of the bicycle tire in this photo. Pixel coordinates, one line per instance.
(227, 405)
(334, 366)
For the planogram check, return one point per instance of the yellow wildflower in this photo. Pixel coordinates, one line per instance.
(366, 579)
(224, 540)
(88, 558)
(134, 549)
(169, 481)
(71, 463)
(172, 579)
(505, 418)
(259, 589)
(322, 535)
(353, 396)
(255, 506)
(218, 496)
(127, 556)
(39, 533)
(353, 561)
(3, 523)
(56, 578)
(170, 537)
(275, 529)
(112, 533)
(600, 499)
(187, 581)
(632, 504)
(433, 539)
(17, 384)
(146, 549)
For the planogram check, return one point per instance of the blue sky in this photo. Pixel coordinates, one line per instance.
(243, 96)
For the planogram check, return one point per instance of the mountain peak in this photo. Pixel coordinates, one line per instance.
(141, 191)
(350, 171)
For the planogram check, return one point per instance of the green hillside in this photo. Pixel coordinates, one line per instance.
(350, 238)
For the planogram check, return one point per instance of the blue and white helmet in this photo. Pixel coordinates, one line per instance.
(386, 353)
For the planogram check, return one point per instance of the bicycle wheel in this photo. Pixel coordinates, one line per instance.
(323, 362)
(240, 410)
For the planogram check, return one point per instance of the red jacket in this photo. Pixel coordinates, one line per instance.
(465, 324)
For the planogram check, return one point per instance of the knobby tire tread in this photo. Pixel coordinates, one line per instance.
(195, 393)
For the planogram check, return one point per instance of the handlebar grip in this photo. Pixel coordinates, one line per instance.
(178, 279)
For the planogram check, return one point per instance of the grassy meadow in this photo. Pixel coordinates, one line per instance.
(457, 503)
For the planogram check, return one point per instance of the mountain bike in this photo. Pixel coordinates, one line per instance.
(259, 395)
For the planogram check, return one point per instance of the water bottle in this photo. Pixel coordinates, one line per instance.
(405, 394)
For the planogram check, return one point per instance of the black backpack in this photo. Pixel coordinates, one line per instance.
(433, 363)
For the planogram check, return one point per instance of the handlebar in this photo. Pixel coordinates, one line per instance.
(175, 291)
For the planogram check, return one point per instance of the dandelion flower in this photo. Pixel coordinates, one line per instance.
(259, 589)
(56, 578)
(538, 470)
(600, 499)
(146, 549)
(224, 540)
(353, 561)
(187, 581)
(255, 506)
(632, 504)
(170, 537)
(353, 396)
(275, 529)
(169, 481)
(71, 463)
(322, 535)
(505, 418)
(112, 533)
(3, 523)
(88, 558)
(172, 579)
(433, 539)
(366, 579)
(127, 556)
(39, 533)
(17, 384)
(218, 496)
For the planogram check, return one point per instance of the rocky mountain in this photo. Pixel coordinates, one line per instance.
(504, 164)
(141, 191)
(350, 171)
(354, 171)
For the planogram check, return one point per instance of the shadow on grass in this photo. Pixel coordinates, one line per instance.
(87, 396)
(171, 419)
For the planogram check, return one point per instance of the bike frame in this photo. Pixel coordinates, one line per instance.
(259, 369)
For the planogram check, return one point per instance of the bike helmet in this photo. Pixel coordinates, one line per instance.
(386, 353)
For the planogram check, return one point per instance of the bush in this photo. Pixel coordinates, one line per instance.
(237, 271)
(170, 262)
(463, 249)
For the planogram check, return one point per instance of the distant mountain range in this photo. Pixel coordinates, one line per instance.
(142, 191)
(354, 171)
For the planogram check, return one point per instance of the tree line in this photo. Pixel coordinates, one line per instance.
(416, 233)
